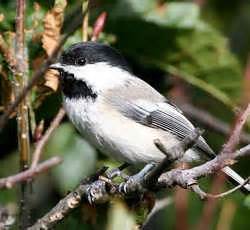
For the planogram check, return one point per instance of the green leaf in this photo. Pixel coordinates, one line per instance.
(247, 201)
(134, 7)
(177, 15)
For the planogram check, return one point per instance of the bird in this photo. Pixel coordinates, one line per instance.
(119, 113)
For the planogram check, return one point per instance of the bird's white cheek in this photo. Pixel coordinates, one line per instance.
(99, 76)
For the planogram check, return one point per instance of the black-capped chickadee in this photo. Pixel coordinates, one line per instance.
(119, 113)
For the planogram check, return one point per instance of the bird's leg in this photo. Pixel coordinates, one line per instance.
(112, 173)
(134, 183)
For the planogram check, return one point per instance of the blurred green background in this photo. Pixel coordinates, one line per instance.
(191, 51)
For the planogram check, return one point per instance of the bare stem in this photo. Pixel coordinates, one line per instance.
(10, 181)
(196, 188)
(20, 81)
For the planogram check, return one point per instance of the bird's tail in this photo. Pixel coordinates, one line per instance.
(236, 179)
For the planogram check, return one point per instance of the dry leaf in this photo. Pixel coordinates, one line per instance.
(52, 79)
(52, 30)
(52, 26)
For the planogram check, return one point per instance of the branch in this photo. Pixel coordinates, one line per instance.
(42, 142)
(188, 177)
(196, 188)
(10, 181)
(67, 204)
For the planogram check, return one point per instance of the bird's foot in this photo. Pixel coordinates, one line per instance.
(135, 183)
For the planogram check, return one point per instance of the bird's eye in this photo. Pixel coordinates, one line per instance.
(81, 61)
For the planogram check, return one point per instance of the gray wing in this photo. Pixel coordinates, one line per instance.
(156, 112)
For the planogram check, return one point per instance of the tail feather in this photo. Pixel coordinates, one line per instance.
(236, 179)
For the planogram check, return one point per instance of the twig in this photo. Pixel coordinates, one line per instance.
(233, 139)
(208, 121)
(10, 181)
(196, 188)
(85, 23)
(42, 142)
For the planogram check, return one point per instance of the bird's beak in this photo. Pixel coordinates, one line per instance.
(57, 66)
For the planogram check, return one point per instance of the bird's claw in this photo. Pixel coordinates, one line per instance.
(135, 183)
(131, 185)
(96, 193)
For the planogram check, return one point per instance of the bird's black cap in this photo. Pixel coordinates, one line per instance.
(92, 52)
